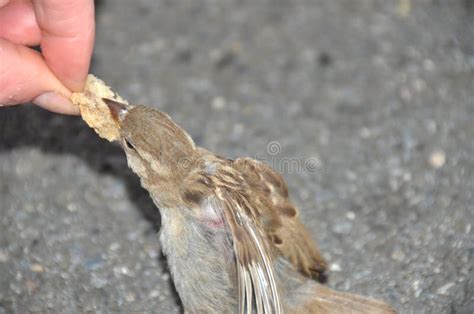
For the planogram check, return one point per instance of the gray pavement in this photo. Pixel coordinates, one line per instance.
(372, 101)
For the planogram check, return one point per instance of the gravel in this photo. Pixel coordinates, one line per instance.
(365, 106)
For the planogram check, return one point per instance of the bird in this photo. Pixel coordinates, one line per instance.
(233, 239)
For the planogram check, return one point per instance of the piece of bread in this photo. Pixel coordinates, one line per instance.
(94, 111)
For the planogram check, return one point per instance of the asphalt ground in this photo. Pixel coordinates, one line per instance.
(365, 106)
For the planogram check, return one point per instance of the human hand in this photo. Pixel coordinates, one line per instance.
(64, 29)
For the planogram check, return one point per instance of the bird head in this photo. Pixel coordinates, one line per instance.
(157, 149)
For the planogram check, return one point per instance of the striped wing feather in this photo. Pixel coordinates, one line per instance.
(232, 197)
(283, 226)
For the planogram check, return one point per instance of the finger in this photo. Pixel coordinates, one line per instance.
(3, 3)
(18, 23)
(24, 77)
(68, 29)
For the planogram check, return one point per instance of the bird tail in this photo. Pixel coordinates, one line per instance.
(323, 300)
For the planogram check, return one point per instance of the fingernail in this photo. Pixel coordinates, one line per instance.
(56, 102)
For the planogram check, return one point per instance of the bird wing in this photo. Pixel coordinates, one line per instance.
(227, 192)
(281, 218)
(264, 225)
(254, 258)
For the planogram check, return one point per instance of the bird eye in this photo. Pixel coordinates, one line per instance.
(128, 144)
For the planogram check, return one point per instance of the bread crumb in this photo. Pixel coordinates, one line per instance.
(94, 111)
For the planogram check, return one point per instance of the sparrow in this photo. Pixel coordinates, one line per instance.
(232, 238)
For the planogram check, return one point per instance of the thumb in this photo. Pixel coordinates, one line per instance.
(25, 77)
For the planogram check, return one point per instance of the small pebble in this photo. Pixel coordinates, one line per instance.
(15, 288)
(37, 268)
(162, 298)
(416, 287)
(114, 246)
(3, 256)
(406, 176)
(218, 103)
(406, 95)
(121, 270)
(237, 130)
(30, 286)
(398, 255)
(419, 84)
(130, 297)
(351, 215)
(343, 227)
(428, 65)
(437, 159)
(154, 293)
(404, 8)
(98, 282)
(335, 267)
(93, 264)
(443, 290)
(365, 132)
(72, 207)
(124, 270)
(152, 253)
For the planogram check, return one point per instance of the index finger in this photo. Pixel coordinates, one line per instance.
(67, 38)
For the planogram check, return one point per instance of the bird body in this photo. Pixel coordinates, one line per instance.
(232, 237)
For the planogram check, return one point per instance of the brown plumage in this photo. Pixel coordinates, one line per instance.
(233, 239)
(297, 246)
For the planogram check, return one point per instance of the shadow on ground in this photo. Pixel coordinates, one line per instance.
(52, 133)
(30, 126)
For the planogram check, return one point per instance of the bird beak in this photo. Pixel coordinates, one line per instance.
(117, 109)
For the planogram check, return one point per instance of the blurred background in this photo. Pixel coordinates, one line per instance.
(379, 95)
